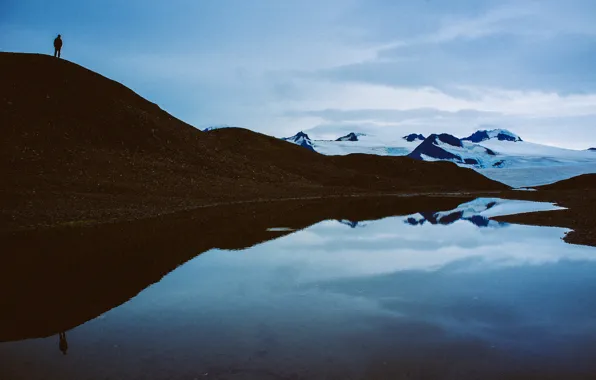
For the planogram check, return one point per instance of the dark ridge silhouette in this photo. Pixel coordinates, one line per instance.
(76, 147)
(582, 182)
(349, 137)
(57, 279)
(414, 137)
(592, 149)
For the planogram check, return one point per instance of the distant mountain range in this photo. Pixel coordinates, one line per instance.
(487, 151)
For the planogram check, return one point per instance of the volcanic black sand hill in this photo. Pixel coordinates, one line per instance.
(577, 195)
(76, 147)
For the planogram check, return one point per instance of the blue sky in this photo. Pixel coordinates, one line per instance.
(329, 66)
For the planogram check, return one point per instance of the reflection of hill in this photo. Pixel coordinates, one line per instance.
(55, 280)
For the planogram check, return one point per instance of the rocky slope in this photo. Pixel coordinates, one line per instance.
(77, 147)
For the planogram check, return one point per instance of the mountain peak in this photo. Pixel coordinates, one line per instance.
(414, 137)
(499, 134)
(301, 139)
(431, 148)
(349, 137)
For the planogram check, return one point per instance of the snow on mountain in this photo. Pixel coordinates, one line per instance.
(365, 143)
(412, 137)
(499, 134)
(301, 139)
(528, 164)
(500, 154)
(349, 137)
(446, 147)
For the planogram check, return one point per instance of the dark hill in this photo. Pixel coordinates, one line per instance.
(582, 182)
(77, 147)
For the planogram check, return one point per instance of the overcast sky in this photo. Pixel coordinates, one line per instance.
(280, 66)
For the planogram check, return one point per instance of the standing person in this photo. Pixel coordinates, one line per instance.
(57, 46)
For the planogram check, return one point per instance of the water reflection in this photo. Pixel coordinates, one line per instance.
(388, 301)
(478, 212)
(63, 345)
(61, 278)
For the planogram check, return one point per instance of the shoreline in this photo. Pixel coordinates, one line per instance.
(576, 217)
(579, 215)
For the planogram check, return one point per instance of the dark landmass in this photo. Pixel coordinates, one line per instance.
(76, 147)
(577, 194)
(59, 278)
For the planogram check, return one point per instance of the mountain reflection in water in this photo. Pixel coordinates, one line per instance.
(317, 299)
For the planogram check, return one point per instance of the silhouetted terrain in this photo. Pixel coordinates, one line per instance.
(78, 147)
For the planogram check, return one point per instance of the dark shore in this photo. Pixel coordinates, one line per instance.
(580, 213)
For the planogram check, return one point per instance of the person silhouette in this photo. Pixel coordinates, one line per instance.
(63, 343)
(57, 46)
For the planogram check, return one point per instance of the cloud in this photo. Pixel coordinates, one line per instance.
(281, 66)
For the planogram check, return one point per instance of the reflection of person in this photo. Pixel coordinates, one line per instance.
(63, 343)
(57, 46)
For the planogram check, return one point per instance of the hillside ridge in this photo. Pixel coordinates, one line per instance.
(76, 147)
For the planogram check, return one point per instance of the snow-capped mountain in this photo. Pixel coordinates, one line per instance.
(498, 154)
(301, 139)
(414, 137)
(349, 137)
(450, 148)
(499, 134)
(355, 142)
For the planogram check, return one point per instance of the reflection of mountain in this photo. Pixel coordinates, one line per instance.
(54, 280)
(470, 212)
(352, 223)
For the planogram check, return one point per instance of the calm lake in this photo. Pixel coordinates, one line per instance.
(433, 294)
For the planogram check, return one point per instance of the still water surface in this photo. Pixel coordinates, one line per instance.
(436, 295)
